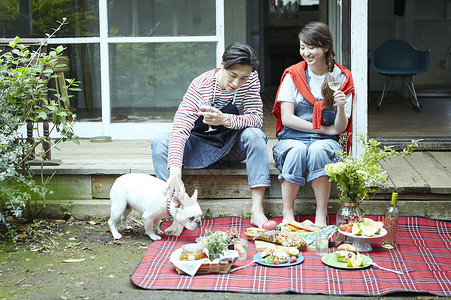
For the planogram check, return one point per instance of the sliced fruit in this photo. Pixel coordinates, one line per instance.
(241, 250)
(356, 261)
(369, 230)
(368, 222)
(356, 229)
(379, 225)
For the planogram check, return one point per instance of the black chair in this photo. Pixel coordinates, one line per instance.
(398, 58)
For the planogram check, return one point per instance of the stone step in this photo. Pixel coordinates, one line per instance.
(100, 208)
(224, 192)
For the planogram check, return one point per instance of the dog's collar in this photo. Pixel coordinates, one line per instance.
(168, 206)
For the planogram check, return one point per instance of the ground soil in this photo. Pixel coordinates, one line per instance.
(57, 259)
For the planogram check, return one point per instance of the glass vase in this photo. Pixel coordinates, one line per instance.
(349, 211)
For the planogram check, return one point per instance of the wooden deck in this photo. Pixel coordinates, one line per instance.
(424, 172)
(86, 171)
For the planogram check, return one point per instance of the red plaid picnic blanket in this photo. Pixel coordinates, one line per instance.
(422, 252)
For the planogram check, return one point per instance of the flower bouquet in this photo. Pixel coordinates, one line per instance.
(215, 242)
(356, 176)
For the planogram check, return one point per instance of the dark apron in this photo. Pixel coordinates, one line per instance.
(205, 148)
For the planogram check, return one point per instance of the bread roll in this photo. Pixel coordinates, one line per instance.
(345, 252)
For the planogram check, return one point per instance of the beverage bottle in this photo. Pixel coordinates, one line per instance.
(391, 223)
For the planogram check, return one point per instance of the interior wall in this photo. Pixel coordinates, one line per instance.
(426, 26)
(235, 21)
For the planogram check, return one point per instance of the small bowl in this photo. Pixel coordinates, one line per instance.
(192, 252)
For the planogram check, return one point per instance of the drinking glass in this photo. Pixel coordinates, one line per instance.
(333, 81)
(321, 243)
(208, 103)
(240, 245)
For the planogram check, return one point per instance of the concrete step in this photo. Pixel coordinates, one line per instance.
(225, 192)
(100, 208)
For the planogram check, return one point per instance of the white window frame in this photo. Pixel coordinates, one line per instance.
(130, 130)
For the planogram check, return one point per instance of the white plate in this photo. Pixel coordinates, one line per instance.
(381, 233)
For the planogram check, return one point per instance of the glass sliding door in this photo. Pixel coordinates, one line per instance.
(161, 18)
(134, 59)
(148, 80)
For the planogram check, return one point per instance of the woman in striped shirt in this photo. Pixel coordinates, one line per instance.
(218, 124)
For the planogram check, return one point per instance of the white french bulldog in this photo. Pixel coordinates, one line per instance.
(145, 194)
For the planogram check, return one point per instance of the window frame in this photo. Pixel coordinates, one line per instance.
(132, 130)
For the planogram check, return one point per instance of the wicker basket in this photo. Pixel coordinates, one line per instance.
(215, 267)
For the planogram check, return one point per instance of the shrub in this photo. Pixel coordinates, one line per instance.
(25, 97)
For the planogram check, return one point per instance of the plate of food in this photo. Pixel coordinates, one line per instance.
(347, 257)
(381, 233)
(364, 229)
(276, 257)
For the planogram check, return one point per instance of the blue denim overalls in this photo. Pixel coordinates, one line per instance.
(299, 153)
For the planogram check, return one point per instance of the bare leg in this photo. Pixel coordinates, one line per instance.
(321, 188)
(289, 193)
(257, 214)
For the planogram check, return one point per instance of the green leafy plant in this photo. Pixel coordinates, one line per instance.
(216, 242)
(25, 98)
(356, 176)
(67, 210)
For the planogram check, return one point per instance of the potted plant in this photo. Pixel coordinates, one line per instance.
(356, 176)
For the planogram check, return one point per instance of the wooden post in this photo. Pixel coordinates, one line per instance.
(45, 145)
(30, 135)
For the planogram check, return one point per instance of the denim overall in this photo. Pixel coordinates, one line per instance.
(299, 153)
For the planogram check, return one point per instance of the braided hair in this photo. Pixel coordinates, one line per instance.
(318, 34)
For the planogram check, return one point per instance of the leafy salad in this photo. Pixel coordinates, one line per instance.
(278, 256)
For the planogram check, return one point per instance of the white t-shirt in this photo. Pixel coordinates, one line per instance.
(288, 91)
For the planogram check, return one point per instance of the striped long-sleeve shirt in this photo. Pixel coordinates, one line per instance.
(202, 88)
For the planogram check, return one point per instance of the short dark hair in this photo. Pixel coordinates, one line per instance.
(238, 53)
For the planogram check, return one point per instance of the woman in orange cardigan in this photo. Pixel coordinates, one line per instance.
(310, 118)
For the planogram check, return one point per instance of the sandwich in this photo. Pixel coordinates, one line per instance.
(295, 226)
(346, 252)
(285, 239)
